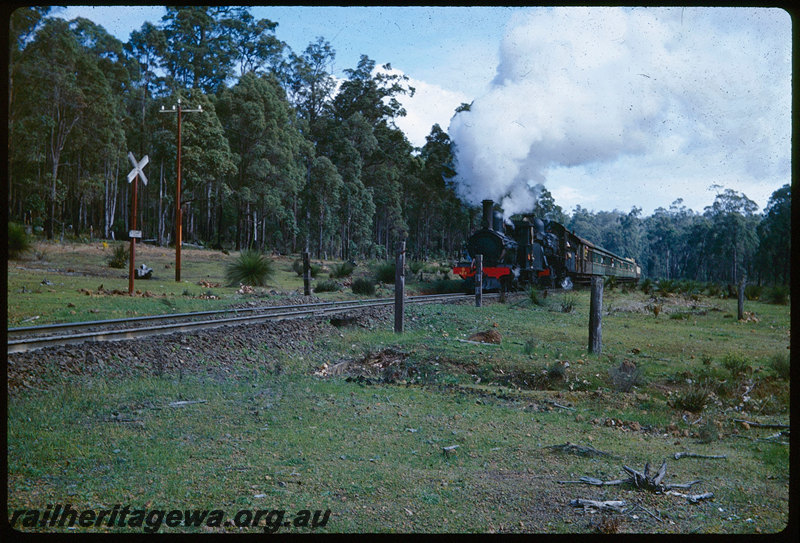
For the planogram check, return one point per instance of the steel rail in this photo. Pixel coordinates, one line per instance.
(26, 330)
(268, 313)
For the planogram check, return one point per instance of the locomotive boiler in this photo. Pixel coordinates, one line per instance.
(534, 251)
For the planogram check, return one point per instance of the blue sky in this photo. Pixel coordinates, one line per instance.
(609, 108)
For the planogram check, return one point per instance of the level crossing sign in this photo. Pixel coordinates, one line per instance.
(138, 168)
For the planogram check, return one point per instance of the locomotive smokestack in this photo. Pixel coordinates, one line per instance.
(487, 214)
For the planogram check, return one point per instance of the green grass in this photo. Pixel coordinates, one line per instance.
(371, 451)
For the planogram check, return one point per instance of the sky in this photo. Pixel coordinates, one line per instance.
(607, 108)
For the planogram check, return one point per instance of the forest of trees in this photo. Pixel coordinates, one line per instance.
(284, 157)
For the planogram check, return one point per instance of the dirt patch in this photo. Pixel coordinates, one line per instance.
(391, 366)
(385, 365)
(489, 336)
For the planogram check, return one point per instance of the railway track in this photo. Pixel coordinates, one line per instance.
(28, 338)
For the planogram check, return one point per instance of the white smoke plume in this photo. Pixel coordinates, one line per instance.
(582, 87)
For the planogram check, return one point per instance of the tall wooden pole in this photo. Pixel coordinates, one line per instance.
(178, 214)
(131, 264)
(306, 274)
(178, 217)
(596, 316)
(399, 287)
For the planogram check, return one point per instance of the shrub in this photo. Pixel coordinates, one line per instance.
(781, 365)
(536, 296)
(385, 272)
(363, 286)
(416, 266)
(568, 304)
(667, 286)
(753, 292)
(625, 376)
(708, 432)
(18, 241)
(693, 400)
(556, 372)
(327, 286)
(119, 257)
(338, 271)
(646, 285)
(250, 268)
(714, 290)
(610, 282)
(297, 267)
(530, 346)
(736, 364)
(778, 294)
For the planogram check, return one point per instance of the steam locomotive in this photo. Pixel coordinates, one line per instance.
(531, 251)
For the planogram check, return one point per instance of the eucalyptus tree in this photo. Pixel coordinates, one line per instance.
(309, 83)
(200, 49)
(323, 197)
(270, 154)
(373, 95)
(734, 223)
(775, 238)
(22, 25)
(255, 46)
(67, 90)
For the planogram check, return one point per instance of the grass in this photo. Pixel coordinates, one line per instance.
(371, 450)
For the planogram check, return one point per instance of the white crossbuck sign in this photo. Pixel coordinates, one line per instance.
(138, 168)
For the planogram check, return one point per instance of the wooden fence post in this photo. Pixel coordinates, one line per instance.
(306, 274)
(478, 280)
(399, 287)
(596, 316)
(742, 282)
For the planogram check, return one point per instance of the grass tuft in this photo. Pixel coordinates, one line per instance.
(18, 240)
(119, 257)
(693, 400)
(363, 286)
(327, 286)
(340, 271)
(251, 268)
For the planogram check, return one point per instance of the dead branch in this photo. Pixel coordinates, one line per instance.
(760, 425)
(595, 482)
(610, 505)
(639, 479)
(693, 498)
(682, 485)
(554, 404)
(643, 508)
(583, 450)
(679, 455)
(449, 450)
(186, 402)
(477, 342)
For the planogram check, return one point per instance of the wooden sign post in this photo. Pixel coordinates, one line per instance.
(596, 316)
(306, 274)
(133, 233)
(399, 287)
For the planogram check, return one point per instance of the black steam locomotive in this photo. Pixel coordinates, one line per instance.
(530, 251)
